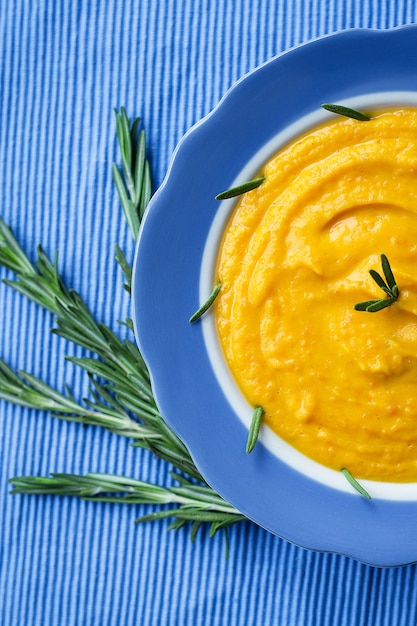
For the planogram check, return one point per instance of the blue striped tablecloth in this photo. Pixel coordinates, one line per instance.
(64, 66)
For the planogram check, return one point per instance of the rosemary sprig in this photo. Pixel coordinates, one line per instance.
(254, 428)
(355, 484)
(134, 187)
(121, 398)
(187, 501)
(27, 390)
(339, 109)
(240, 189)
(207, 304)
(119, 363)
(390, 287)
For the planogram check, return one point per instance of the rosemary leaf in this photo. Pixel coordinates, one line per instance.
(145, 195)
(194, 530)
(240, 189)
(355, 484)
(207, 303)
(346, 112)
(139, 160)
(389, 276)
(390, 288)
(127, 270)
(363, 306)
(373, 306)
(254, 429)
(127, 152)
(11, 254)
(379, 280)
(128, 207)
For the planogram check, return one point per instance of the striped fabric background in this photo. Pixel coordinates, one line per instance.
(64, 66)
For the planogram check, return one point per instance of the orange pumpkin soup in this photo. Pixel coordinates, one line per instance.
(339, 385)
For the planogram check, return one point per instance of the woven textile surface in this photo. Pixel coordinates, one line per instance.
(65, 65)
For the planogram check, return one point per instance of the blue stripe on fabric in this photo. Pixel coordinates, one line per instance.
(64, 66)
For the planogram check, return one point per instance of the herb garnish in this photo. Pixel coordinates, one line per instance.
(355, 484)
(390, 287)
(240, 189)
(346, 111)
(135, 187)
(254, 429)
(204, 307)
(121, 398)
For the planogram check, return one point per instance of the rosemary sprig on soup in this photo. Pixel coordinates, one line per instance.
(337, 385)
(390, 287)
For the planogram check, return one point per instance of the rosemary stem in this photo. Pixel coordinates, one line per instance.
(207, 304)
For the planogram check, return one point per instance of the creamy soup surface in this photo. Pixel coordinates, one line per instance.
(339, 385)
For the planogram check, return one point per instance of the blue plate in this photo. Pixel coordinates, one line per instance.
(174, 268)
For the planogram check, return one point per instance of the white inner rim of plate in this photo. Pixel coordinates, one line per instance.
(285, 452)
